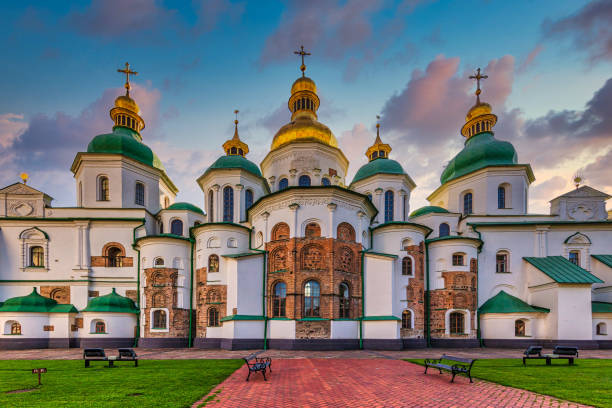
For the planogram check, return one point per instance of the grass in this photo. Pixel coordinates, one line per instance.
(159, 383)
(588, 381)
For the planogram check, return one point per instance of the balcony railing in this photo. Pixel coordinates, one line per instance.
(114, 261)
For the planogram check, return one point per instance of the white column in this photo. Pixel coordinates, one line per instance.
(331, 231)
(292, 174)
(238, 192)
(293, 233)
(78, 247)
(271, 181)
(541, 241)
(359, 237)
(403, 216)
(317, 177)
(265, 216)
(380, 217)
(217, 211)
(86, 260)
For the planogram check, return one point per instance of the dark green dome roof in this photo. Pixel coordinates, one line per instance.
(113, 302)
(428, 209)
(378, 166)
(235, 162)
(127, 142)
(480, 151)
(185, 206)
(35, 303)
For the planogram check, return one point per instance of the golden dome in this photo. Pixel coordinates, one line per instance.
(125, 102)
(304, 129)
(303, 84)
(477, 110)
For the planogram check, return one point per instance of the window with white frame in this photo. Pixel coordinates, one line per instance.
(34, 249)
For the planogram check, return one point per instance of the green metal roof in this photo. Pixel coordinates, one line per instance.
(113, 303)
(481, 150)
(242, 255)
(427, 210)
(606, 259)
(505, 303)
(561, 270)
(36, 303)
(235, 162)
(185, 206)
(601, 307)
(378, 166)
(452, 237)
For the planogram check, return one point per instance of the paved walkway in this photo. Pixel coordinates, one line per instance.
(185, 353)
(310, 383)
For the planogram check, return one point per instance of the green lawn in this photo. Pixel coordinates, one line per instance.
(588, 381)
(159, 383)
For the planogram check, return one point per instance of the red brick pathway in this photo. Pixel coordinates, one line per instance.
(372, 383)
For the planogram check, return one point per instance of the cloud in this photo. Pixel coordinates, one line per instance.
(211, 12)
(599, 172)
(11, 126)
(530, 58)
(588, 29)
(354, 144)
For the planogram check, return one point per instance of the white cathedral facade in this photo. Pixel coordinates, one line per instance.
(292, 255)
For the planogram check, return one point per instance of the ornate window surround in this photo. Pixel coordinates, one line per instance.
(32, 237)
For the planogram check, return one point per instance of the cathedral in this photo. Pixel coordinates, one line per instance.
(290, 254)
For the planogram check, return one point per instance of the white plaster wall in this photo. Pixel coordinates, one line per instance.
(546, 296)
(344, 329)
(188, 218)
(118, 325)
(32, 324)
(248, 281)
(384, 329)
(441, 259)
(218, 332)
(378, 280)
(575, 319)
(433, 221)
(248, 329)
(378, 184)
(282, 329)
(501, 325)
(602, 318)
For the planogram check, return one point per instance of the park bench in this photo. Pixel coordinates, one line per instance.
(458, 365)
(125, 354)
(562, 352)
(532, 352)
(255, 364)
(93, 354)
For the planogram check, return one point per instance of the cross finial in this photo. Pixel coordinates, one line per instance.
(127, 73)
(302, 53)
(478, 77)
(236, 124)
(377, 125)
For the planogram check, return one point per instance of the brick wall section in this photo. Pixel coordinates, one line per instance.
(328, 261)
(59, 293)
(459, 293)
(160, 291)
(415, 292)
(208, 295)
(100, 261)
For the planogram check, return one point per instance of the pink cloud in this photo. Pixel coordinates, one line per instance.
(533, 54)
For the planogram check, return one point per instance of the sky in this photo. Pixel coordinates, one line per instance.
(406, 60)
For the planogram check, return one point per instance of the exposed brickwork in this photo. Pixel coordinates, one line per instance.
(48, 328)
(101, 260)
(313, 330)
(459, 293)
(208, 295)
(132, 294)
(160, 291)
(415, 292)
(61, 294)
(93, 293)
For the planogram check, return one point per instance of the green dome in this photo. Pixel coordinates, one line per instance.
(113, 302)
(127, 142)
(185, 206)
(378, 166)
(35, 303)
(480, 151)
(428, 209)
(235, 162)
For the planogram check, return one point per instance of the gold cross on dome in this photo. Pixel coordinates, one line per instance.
(302, 53)
(478, 77)
(127, 73)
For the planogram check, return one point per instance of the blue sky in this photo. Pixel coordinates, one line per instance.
(200, 60)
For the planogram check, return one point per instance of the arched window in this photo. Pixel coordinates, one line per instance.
(283, 184)
(176, 227)
(139, 194)
(312, 293)
(100, 328)
(213, 317)
(304, 181)
(213, 263)
(312, 230)
(574, 257)
(501, 262)
(279, 300)
(388, 206)
(15, 328)
(407, 266)
(114, 258)
(159, 319)
(444, 230)
(37, 256)
(519, 328)
(345, 232)
(456, 323)
(248, 199)
(467, 204)
(325, 182)
(103, 188)
(406, 319)
(501, 197)
(280, 231)
(345, 301)
(600, 329)
(458, 259)
(211, 200)
(228, 204)
(159, 261)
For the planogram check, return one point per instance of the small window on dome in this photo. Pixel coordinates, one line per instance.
(233, 150)
(374, 155)
(473, 129)
(241, 152)
(325, 181)
(478, 127)
(381, 153)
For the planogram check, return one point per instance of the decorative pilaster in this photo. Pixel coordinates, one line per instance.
(359, 237)
(265, 216)
(292, 174)
(379, 205)
(403, 205)
(238, 200)
(271, 181)
(332, 209)
(218, 211)
(293, 229)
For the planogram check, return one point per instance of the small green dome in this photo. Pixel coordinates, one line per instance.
(185, 206)
(127, 142)
(235, 162)
(428, 209)
(35, 303)
(480, 151)
(378, 166)
(113, 302)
